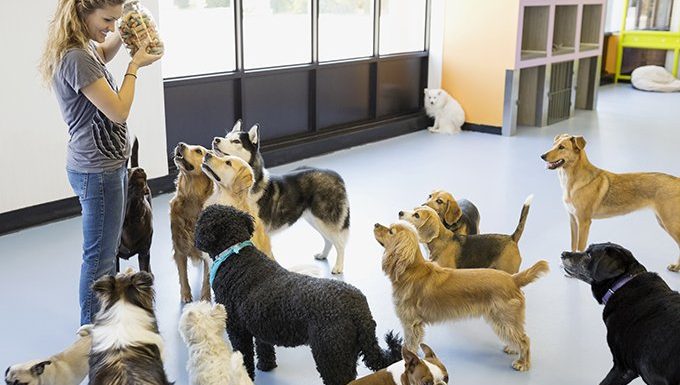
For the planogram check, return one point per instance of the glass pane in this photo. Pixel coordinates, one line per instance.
(649, 15)
(336, 40)
(276, 32)
(198, 36)
(402, 26)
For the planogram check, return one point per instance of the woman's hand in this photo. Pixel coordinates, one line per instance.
(143, 58)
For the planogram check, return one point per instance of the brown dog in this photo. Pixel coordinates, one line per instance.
(461, 217)
(409, 371)
(426, 293)
(494, 251)
(593, 193)
(193, 189)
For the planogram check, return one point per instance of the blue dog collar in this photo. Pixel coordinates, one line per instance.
(224, 255)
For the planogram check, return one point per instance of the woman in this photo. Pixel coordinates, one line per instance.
(80, 42)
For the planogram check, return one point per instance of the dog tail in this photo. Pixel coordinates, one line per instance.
(522, 219)
(375, 357)
(134, 158)
(529, 275)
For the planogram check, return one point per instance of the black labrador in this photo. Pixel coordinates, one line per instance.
(641, 312)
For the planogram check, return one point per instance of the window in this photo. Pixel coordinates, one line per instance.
(649, 15)
(276, 32)
(345, 29)
(402, 26)
(198, 36)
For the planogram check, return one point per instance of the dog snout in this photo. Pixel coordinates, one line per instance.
(544, 156)
(376, 225)
(401, 214)
(207, 156)
(216, 140)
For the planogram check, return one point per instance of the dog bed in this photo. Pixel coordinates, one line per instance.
(654, 78)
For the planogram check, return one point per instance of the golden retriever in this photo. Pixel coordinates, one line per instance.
(193, 189)
(589, 192)
(426, 293)
(233, 180)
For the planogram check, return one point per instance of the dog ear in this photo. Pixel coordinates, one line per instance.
(219, 312)
(237, 127)
(142, 280)
(39, 368)
(429, 229)
(400, 254)
(244, 178)
(254, 133)
(579, 142)
(428, 351)
(426, 90)
(605, 267)
(104, 285)
(411, 360)
(452, 213)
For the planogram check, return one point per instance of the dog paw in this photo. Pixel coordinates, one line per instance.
(266, 366)
(336, 270)
(509, 350)
(321, 257)
(186, 297)
(206, 296)
(520, 366)
(674, 267)
(432, 129)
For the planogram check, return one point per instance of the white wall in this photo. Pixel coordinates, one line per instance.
(434, 69)
(33, 135)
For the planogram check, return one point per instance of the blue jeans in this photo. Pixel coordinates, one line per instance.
(102, 199)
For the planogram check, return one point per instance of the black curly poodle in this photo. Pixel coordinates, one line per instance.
(278, 307)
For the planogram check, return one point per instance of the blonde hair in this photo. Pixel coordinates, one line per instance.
(68, 30)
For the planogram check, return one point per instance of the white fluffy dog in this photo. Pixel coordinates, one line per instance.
(447, 113)
(211, 360)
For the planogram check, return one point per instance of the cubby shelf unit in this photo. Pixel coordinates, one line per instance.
(533, 65)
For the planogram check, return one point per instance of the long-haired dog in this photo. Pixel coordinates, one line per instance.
(138, 224)
(459, 216)
(126, 346)
(193, 189)
(426, 293)
(589, 192)
(68, 367)
(317, 195)
(495, 251)
(211, 359)
(233, 180)
(275, 306)
(410, 371)
(448, 115)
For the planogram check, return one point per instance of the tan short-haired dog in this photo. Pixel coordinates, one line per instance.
(426, 293)
(494, 251)
(591, 193)
(193, 188)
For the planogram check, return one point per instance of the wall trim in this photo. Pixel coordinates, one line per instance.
(483, 128)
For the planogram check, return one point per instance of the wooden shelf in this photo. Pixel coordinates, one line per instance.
(535, 31)
(564, 32)
(591, 24)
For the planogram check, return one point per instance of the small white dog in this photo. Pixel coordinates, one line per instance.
(447, 113)
(66, 368)
(211, 360)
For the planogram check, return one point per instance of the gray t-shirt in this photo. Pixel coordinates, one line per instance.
(97, 143)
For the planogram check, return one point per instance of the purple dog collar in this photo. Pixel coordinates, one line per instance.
(619, 284)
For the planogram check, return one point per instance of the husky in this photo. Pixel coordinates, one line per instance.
(315, 194)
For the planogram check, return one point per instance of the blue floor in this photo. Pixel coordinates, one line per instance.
(631, 131)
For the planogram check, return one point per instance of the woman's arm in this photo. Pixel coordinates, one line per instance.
(116, 105)
(109, 48)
